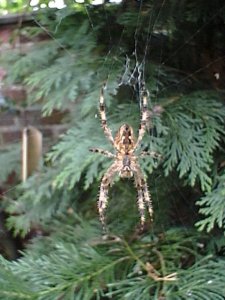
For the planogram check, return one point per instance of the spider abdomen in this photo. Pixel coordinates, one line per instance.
(124, 139)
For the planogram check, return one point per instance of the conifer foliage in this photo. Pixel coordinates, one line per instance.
(130, 44)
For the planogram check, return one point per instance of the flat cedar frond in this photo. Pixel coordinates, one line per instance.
(38, 57)
(196, 127)
(77, 261)
(213, 207)
(9, 161)
(26, 213)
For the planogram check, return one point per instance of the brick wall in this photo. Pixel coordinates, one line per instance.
(13, 120)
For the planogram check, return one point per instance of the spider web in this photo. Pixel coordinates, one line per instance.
(134, 75)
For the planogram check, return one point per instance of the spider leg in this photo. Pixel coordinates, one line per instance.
(150, 153)
(104, 189)
(103, 152)
(144, 118)
(143, 194)
(141, 204)
(102, 112)
(147, 198)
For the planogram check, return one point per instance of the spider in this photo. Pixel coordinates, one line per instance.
(125, 161)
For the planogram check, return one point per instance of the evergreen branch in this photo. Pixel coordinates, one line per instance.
(9, 161)
(148, 267)
(213, 207)
(68, 263)
(34, 203)
(196, 127)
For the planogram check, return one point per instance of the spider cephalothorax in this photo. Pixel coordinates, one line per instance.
(125, 161)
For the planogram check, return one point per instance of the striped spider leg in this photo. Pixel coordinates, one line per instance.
(102, 112)
(106, 182)
(150, 153)
(144, 197)
(103, 152)
(144, 118)
(125, 161)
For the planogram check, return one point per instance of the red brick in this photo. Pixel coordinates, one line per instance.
(53, 131)
(11, 135)
(31, 116)
(1, 140)
(8, 118)
(47, 132)
(2, 73)
(16, 93)
(60, 129)
(6, 33)
(55, 118)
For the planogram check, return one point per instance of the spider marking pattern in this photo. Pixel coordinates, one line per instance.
(125, 161)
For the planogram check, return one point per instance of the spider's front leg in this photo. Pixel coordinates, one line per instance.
(104, 189)
(144, 118)
(102, 112)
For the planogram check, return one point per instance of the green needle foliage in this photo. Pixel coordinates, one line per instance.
(9, 161)
(197, 120)
(80, 265)
(65, 255)
(213, 207)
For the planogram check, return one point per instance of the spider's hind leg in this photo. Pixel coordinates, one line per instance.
(141, 205)
(104, 189)
(143, 195)
(147, 198)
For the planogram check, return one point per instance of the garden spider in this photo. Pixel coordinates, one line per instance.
(125, 161)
